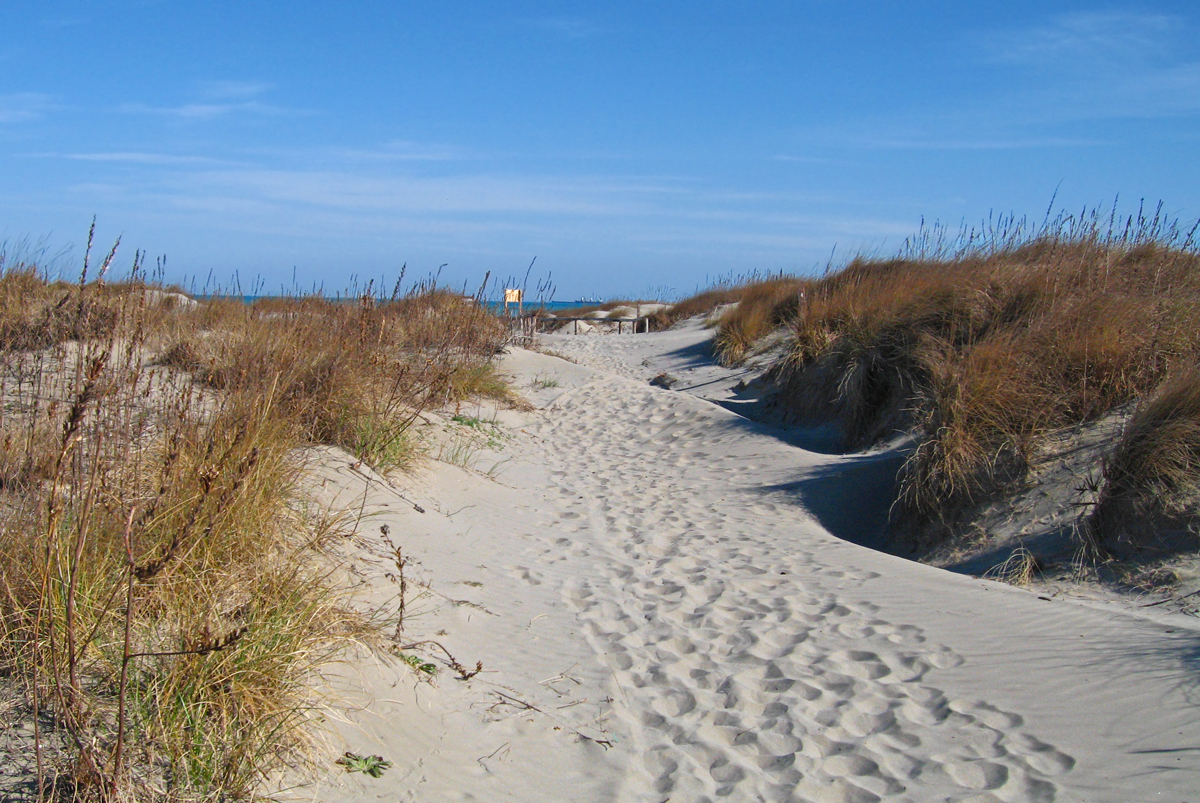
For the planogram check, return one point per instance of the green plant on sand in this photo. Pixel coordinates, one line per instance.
(374, 766)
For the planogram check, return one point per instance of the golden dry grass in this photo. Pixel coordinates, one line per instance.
(762, 308)
(165, 597)
(980, 343)
(1151, 480)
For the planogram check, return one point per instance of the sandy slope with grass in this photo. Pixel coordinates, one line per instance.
(660, 616)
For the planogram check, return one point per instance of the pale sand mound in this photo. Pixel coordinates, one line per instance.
(660, 619)
(576, 328)
(169, 299)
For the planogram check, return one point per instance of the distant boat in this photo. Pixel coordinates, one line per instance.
(594, 300)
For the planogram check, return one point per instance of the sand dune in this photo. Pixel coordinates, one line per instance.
(661, 617)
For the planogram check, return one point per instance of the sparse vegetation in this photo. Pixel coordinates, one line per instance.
(167, 598)
(699, 304)
(608, 306)
(1019, 569)
(466, 438)
(374, 766)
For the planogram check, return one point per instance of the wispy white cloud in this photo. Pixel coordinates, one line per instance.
(405, 151)
(22, 107)
(799, 232)
(1046, 86)
(1161, 92)
(1110, 65)
(998, 124)
(783, 157)
(126, 157)
(461, 209)
(217, 99)
(753, 200)
(935, 142)
(98, 188)
(567, 27)
(233, 90)
(472, 205)
(1085, 41)
(453, 194)
(211, 111)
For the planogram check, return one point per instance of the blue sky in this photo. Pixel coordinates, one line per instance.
(632, 147)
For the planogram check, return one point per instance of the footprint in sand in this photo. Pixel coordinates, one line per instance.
(748, 666)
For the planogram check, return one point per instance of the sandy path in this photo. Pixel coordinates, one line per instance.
(642, 573)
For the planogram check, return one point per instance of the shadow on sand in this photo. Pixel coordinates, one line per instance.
(696, 355)
(852, 496)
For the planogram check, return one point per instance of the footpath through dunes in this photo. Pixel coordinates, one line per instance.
(760, 657)
(673, 625)
(746, 644)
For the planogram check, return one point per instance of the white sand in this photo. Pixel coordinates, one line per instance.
(661, 618)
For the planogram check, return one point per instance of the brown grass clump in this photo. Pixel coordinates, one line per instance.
(1151, 482)
(979, 343)
(728, 290)
(166, 601)
(762, 308)
(350, 374)
(699, 304)
(35, 314)
(984, 350)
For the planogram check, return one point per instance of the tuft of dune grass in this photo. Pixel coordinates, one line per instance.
(166, 599)
(761, 309)
(1152, 476)
(978, 343)
(352, 375)
(725, 291)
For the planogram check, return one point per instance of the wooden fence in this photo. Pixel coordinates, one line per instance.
(522, 330)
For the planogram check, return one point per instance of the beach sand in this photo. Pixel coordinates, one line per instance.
(663, 613)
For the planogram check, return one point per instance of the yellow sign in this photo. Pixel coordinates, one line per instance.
(512, 296)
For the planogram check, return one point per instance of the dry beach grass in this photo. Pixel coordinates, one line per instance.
(983, 342)
(166, 593)
(170, 595)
